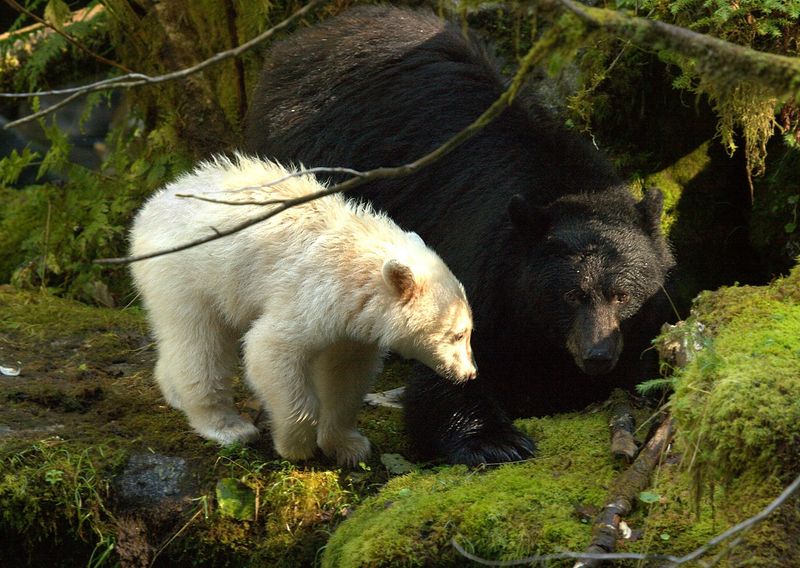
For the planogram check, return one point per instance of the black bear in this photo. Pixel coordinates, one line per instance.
(558, 259)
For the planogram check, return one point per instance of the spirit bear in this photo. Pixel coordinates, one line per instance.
(562, 265)
(318, 294)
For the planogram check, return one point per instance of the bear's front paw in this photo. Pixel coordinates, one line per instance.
(348, 448)
(489, 447)
(229, 431)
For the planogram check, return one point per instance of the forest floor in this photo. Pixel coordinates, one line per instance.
(96, 470)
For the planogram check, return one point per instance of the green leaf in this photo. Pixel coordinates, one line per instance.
(56, 13)
(235, 499)
(649, 497)
(790, 227)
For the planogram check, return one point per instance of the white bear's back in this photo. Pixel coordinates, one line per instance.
(281, 264)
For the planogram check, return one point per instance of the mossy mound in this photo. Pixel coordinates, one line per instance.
(737, 406)
(738, 402)
(506, 513)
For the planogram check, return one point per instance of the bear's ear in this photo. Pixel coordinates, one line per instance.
(527, 218)
(400, 279)
(650, 208)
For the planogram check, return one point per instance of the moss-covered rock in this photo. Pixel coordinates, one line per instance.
(738, 402)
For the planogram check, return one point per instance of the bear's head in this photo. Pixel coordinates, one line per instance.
(430, 319)
(592, 261)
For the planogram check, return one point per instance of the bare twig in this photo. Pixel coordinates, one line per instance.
(530, 59)
(302, 172)
(136, 79)
(20, 8)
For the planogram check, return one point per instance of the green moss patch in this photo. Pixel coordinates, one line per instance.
(500, 513)
(737, 403)
(737, 406)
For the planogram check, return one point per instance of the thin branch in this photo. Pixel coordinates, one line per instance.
(672, 560)
(136, 79)
(20, 8)
(298, 173)
(531, 58)
(562, 556)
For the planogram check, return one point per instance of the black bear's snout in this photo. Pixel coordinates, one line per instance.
(598, 361)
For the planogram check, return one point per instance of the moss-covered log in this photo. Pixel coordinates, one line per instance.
(719, 60)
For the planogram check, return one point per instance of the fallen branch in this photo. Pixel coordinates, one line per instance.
(623, 444)
(624, 492)
(531, 58)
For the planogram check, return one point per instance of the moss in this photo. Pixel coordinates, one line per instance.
(504, 513)
(738, 429)
(672, 180)
(731, 402)
(56, 491)
(34, 316)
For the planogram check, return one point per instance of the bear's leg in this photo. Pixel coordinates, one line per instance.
(197, 354)
(342, 375)
(277, 368)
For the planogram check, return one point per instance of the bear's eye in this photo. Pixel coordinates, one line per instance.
(620, 297)
(574, 297)
(459, 336)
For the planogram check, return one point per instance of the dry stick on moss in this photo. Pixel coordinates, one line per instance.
(531, 58)
(136, 79)
(723, 61)
(624, 492)
(18, 7)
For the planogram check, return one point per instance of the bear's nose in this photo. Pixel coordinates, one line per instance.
(598, 362)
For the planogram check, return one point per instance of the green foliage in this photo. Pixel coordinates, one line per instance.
(49, 235)
(44, 62)
(51, 487)
(742, 106)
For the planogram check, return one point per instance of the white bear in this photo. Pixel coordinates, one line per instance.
(318, 294)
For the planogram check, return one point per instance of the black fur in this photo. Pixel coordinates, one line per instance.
(558, 260)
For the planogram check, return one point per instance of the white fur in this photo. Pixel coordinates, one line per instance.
(318, 294)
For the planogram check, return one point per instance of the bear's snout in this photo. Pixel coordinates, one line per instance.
(598, 361)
